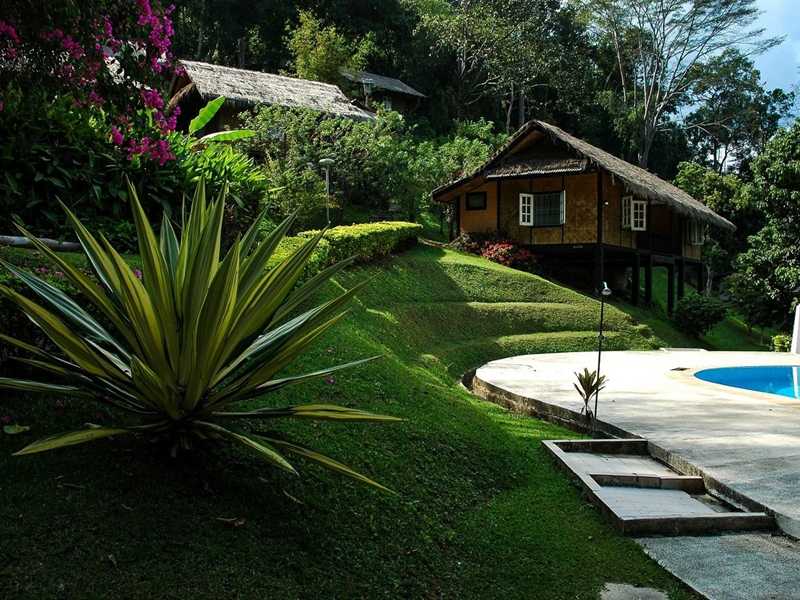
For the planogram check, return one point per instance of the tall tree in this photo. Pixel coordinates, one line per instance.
(658, 45)
(499, 48)
(733, 115)
(773, 258)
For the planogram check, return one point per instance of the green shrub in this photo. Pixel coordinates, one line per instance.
(290, 245)
(368, 240)
(53, 152)
(195, 337)
(696, 315)
(781, 343)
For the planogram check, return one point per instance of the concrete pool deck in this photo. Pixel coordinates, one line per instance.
(745, 445)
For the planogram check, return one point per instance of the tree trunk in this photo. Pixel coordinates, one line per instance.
(242, 51)
(199, 54)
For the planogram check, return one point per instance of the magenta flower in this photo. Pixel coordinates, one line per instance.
(331, 379)
(6, 419)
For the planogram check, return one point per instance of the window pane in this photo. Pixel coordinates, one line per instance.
(476, 201)
(526, 209)
(639, 215)
(547, 209)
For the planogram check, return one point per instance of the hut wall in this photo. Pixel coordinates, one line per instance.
(691, 251)
(612, 215)
(580, 211)
(229, 117)
(482, 219)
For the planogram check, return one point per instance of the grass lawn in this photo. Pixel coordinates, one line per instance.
(480, 510)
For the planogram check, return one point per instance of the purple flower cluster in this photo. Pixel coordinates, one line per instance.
(134, 38)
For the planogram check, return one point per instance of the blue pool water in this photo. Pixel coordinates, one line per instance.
(782, 381)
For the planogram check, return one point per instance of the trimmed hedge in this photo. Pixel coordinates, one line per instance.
(368, 240)
(318, 260)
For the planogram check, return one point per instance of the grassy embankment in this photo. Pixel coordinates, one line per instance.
(481, 511)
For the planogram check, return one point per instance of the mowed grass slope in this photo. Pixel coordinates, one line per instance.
(480, 510)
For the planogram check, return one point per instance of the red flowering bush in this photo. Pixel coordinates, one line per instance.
(495, 245)
(511, 255)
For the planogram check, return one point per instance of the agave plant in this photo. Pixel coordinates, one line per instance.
(195, 336)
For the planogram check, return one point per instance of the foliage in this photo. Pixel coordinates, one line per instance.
(655, 50)
(52, 150)
(772, 259)
(321, 53)
(588, 385)
(696, 315)
(727, 196)
(377, 163)
(496, 48)
(734, 116)
(781, 343)
(371, 157)
(288, 246)
(196, 336)
(107, 57)
(367, 241)
(753, 301)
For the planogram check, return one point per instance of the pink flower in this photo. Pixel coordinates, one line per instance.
(331, 379)
(6, 419)
(116, 136)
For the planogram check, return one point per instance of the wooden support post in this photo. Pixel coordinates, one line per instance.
(670, 289)
(635, 279)
(648, 281)
(598, 255)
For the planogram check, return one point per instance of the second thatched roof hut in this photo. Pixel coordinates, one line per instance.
(202, 82)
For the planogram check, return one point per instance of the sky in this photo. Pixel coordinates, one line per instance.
(779, 66)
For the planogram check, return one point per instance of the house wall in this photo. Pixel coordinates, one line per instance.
(580, 225)
(580, 209)
(480, 220)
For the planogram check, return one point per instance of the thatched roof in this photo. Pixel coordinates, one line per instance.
(379, 81)
(521, 156)
(243, 89)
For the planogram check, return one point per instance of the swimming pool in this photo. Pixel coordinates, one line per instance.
(782, 381)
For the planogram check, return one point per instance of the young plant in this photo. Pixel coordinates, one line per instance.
(588, 385)
(196, 335)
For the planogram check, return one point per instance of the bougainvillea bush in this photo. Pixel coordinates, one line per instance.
(109, 58)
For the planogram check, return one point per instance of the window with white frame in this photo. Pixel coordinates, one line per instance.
(542, 210)
(634, 214)
(695, 233)
(526, 209)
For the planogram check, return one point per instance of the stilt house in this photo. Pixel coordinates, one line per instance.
(591, 215)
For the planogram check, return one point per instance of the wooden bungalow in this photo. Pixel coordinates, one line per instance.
(584, 212)
(391, 93)
(243, 89)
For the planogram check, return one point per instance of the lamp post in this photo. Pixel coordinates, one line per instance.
(600, 338)
(327, 163)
